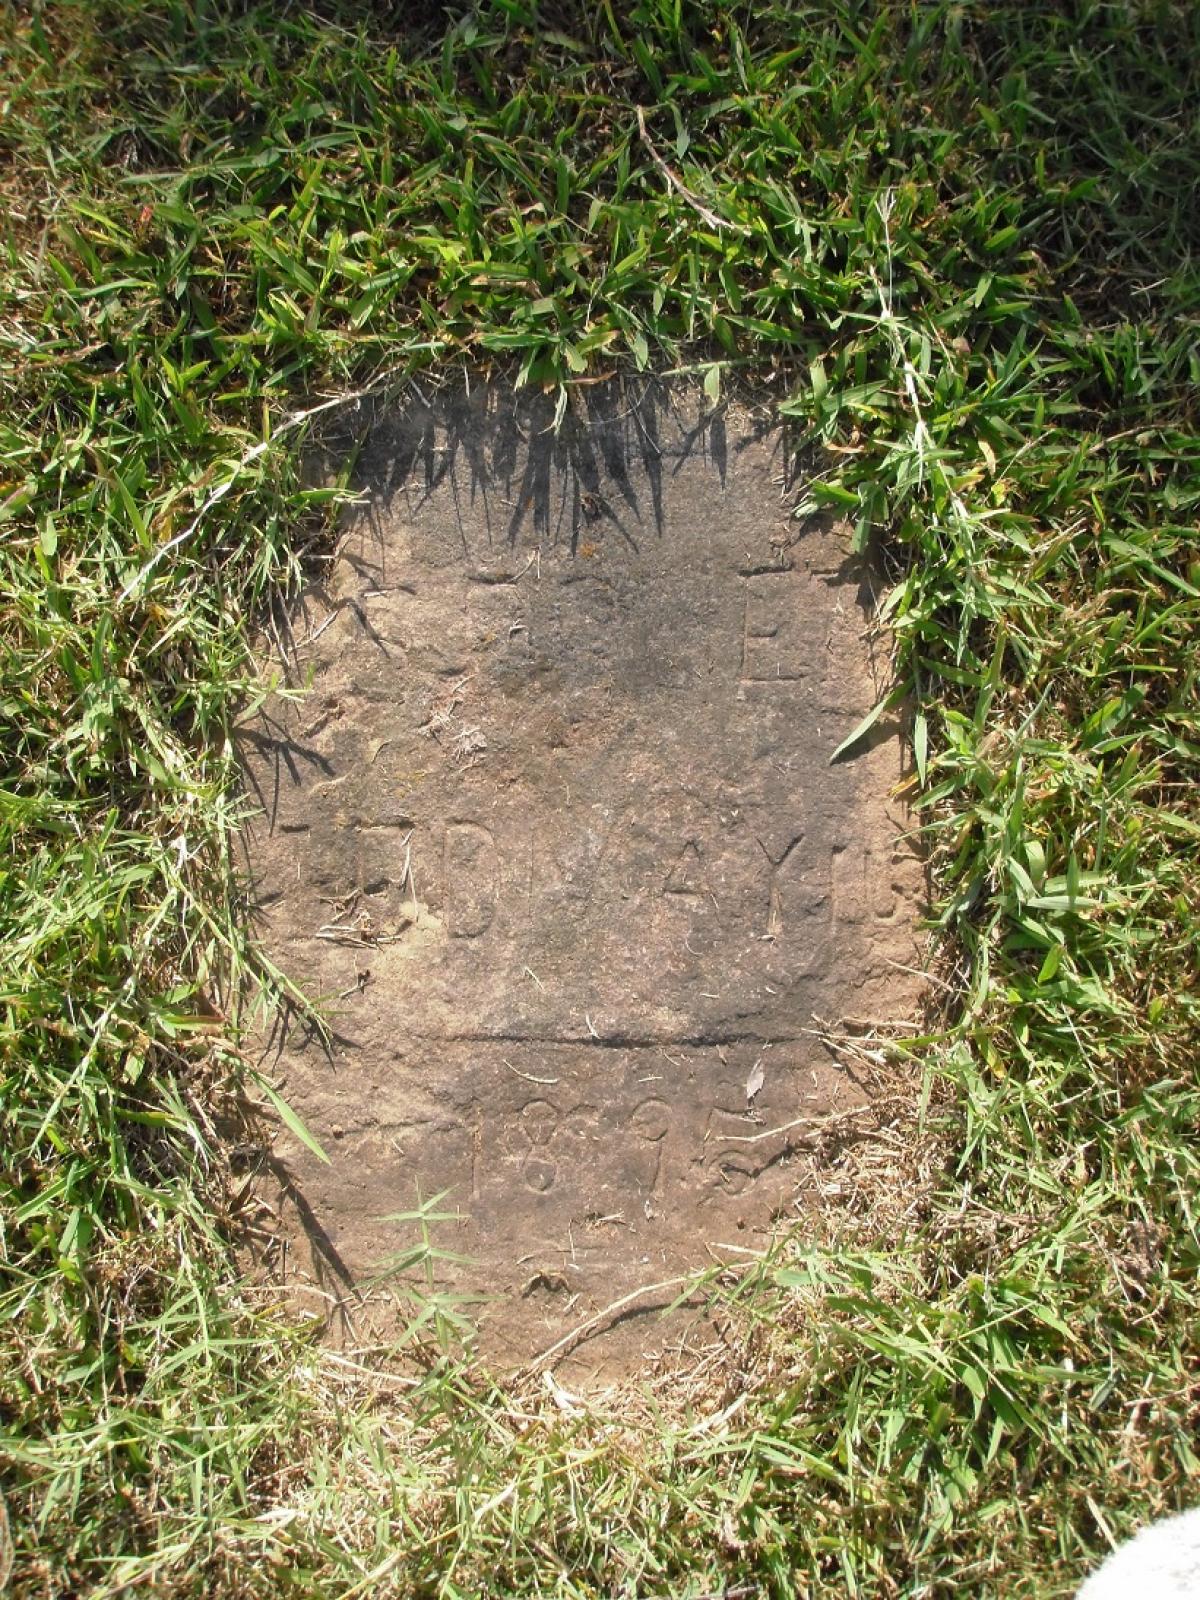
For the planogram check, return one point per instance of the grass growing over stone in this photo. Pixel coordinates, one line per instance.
(962, 243)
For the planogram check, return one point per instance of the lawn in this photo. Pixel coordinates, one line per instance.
(962, 243)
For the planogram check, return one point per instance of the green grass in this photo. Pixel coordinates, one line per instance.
(962, 242)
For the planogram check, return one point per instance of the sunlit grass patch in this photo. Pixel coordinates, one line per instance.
(961, 242)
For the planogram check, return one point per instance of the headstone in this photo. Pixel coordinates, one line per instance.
(554, 832)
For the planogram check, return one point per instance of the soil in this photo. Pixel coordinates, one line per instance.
(555, 836)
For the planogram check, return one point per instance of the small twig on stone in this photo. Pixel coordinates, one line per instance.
(528, 1076)
(799, 1122)
(570, 1340)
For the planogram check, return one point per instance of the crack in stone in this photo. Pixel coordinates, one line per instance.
(705, 1039)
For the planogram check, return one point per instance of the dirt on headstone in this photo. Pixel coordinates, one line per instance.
(555, 836)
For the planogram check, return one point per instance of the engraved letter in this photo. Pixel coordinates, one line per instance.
(649, 1123)
(864, 887)
(798, 904)
(779, 640)
(470, 877)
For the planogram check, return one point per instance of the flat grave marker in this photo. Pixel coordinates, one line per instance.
(555, 832)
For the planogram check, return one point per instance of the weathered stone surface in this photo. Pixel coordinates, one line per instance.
(555, 831)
